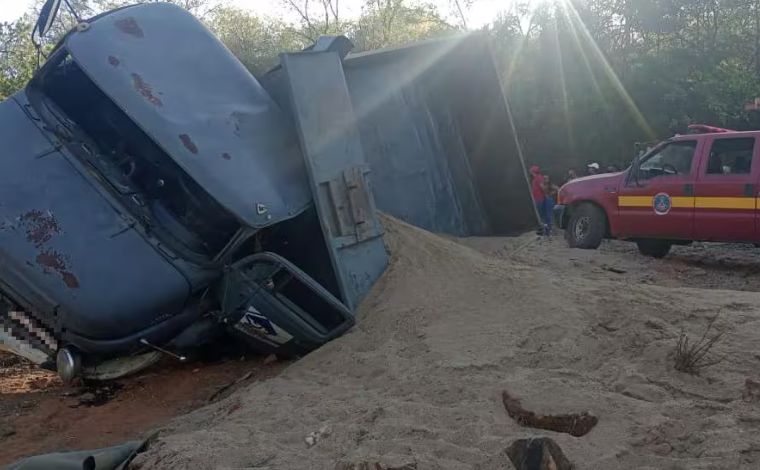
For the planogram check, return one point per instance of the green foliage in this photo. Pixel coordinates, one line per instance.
(386, 23)
(588, 78)
(255, 41)
(18, 58)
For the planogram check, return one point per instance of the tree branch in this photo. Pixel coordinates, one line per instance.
(462, 18)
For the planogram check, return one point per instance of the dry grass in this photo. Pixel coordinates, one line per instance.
(692, 358)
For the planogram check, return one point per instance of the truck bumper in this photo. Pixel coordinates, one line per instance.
(559, 216)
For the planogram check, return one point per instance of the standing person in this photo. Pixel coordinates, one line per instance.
(550, 198)
(592, 168)
(571, 175)
(538, 190)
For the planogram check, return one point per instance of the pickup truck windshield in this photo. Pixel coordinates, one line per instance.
(139, 171)
(674, 158)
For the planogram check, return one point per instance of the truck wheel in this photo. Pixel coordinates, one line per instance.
(654, 248)
(586, 227)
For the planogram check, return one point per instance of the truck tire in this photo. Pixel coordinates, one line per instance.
(654, 248)
(586, 227)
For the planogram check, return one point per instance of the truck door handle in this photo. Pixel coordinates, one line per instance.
(688, 189)
(749, 190)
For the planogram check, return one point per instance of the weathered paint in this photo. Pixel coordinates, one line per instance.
(40, 227)
(145, 90)
(52, 260)
(129, 26)
(189, 144)
(58, 248)
(200, 90)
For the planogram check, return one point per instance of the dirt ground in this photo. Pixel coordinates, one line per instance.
(39, 415)
(700, 265)
(419, 382)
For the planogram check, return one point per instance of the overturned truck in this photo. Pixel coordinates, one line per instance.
(155, 196)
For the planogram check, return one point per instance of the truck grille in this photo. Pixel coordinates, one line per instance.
(21, 326)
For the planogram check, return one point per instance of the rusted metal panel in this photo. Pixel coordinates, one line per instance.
(65, 250)
(338, 173)
(170, 75)
(366, 225)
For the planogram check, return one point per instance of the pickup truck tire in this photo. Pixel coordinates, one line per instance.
(586, 227)
(654, 248)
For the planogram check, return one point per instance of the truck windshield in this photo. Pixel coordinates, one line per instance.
(674, 158)
(170, 203)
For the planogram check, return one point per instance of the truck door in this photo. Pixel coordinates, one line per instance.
(659, 201)
(726, 190)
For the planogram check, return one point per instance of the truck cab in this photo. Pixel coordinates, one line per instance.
(699, 187)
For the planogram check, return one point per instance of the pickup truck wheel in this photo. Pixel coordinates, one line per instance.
(586, 227)
(654, 248)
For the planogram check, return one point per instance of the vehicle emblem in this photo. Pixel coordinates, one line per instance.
(661, 203)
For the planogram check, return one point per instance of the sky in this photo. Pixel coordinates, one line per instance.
(480, 13)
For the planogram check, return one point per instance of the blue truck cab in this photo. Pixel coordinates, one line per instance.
(155, 196)
(135, 173)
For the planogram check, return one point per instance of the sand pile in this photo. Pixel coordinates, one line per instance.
(447, 330)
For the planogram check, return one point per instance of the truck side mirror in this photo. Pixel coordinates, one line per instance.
(48, 13)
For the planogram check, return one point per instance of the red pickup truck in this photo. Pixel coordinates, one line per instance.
(702, 187)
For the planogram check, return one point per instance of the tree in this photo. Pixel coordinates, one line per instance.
(255, 41)
(317, 17)
(393, 22)
(588, 78)
(18, 57)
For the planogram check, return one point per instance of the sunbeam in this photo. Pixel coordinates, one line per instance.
(577, 26)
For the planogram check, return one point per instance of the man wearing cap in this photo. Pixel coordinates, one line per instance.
(592, 168)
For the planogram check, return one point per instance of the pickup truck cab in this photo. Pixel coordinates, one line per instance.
(702, 187)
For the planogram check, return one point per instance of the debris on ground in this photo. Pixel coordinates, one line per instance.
(224, 388)
(315, 436)
(577, 425)
(374, 466)
(615, 270)
(751, 392)
(96, 394)
(538, 454)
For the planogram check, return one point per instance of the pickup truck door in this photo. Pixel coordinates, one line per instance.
(660, 202)
(726, 189)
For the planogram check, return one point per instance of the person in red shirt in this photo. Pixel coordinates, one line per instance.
(538, 190)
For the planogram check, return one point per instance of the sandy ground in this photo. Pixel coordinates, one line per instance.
(450, 327)
(419, 381)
